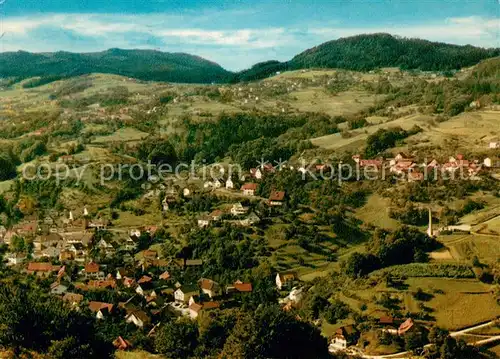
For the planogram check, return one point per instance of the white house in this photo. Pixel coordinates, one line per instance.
(16, 258)
(209, 287)
(238, 209)
(494, 145)
(138, 318)
(204, 221)
(185, 292)
(229, 183)
(284, 279)
(249, 189)
(487, 162)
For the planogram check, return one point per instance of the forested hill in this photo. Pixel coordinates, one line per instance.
(140, 64)
(361, 52)
(367, 52)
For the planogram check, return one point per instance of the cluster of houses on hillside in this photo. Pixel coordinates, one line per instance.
(148, 294)
(403, 164)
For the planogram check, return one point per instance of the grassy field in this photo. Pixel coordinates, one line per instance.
(375, 212)
(126, 134)
(358, 137)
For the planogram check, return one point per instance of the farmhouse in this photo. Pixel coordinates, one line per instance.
(249, 189)
(276, 198)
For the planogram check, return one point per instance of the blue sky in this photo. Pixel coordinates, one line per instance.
(237, 34)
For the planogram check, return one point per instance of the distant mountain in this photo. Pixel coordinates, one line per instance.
(361, 52)
(367, 52)
(140, 64)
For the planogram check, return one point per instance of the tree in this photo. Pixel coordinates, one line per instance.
(360, 264)
(269, 332)
(7, 168)
(177, 339)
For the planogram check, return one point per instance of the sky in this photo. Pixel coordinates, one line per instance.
(237, 34)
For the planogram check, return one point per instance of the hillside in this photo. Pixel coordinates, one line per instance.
(140, 64)
(368, 52)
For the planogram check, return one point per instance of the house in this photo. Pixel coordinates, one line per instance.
(185, 292)
(101, 284)
(73, 299)
(204, 221)
(58, 289)
(386, 320)
(256, 173)
(121, 344)
(276, 198)
(343, 337)
(249, 189)
(165, 275)
(238, 209)
(373, 164)
(209, 287)
(128, 282)
(494, 145)
(15, 258)
(92, 271)
(131, 243)
(139, 318)
(194, 310)
(406, 327)
(284, 280)
(101, 309)
(144, 279)
(216, 215)
(193, 262)
(106, 247)
(229, 183)
(487, 162)
(415, 176)
(250, 220)
(143, 288)
(239, 287)
(42, 269)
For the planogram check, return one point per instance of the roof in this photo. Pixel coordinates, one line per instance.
(140, 315)
(216, 213)
(243, 287)
(286, 276)
(42, 267)
(249, 186)
(277, 196)
(102, 284)
(370, 162)
(207, 284)
(195, 307)
(194, 262)
(386, 320)
(189, 289)
(91, 267)
(211, 305)
(165, 275)
(121, 344)
(144, 279)
(97, 306)
(407, 325)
